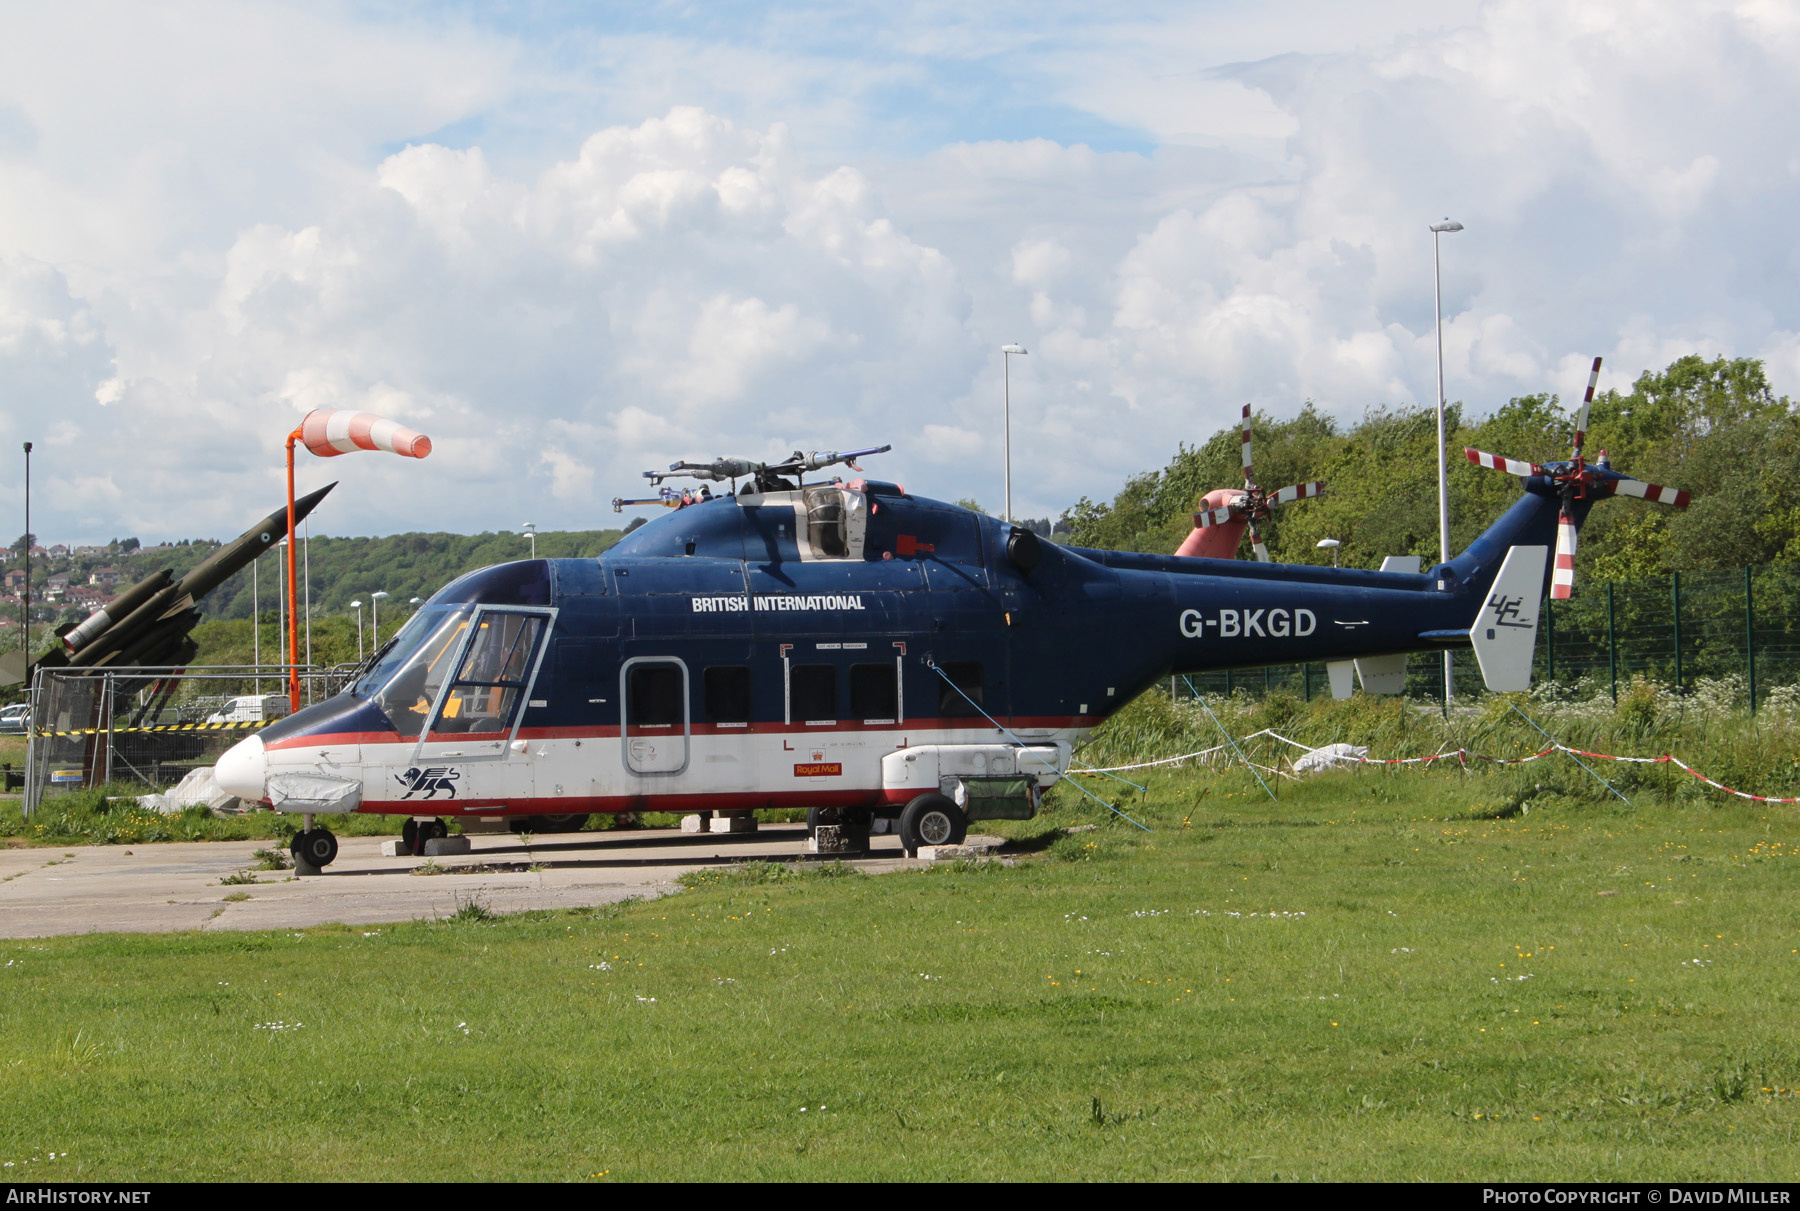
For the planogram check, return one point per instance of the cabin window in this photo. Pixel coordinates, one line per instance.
(493, 674)
(727, 688)
(812, 693)
(653, 695)
(967, 678)
(874, 692)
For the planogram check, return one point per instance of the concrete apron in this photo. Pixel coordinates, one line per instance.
(152, 888)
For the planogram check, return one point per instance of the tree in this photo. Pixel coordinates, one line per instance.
(1712, 427)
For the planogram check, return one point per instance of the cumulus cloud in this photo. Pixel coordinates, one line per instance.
(761, 253)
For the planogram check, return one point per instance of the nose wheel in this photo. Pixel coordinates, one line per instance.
(315, 848)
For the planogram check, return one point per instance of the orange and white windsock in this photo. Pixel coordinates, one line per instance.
(328, 432)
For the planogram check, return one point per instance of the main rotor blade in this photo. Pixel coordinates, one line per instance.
(1248, 481)
(1499, 462)
(1587, 406)
(1297, 492)
(1562, 576)
(1655, 493)
(1256, 544)
(1213, 517)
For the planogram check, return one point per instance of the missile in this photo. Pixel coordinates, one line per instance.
(154, 615)
(120, 606)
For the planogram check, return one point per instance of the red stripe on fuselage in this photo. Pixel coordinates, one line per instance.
(565, 805)
(611, 731)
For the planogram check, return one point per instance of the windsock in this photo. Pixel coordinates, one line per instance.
(328, 432)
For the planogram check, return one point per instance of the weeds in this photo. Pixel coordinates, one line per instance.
(471, 911)
(242, 876)
(77, 1051)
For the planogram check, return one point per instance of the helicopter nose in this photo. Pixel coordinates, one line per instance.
(243, 768)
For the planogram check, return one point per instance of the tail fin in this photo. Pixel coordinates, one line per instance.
(1505, 631)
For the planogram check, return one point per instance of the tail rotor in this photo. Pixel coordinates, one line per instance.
(1577, 480)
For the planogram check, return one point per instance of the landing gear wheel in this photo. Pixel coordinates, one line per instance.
(816, 816)
(569, 822)
(931, 819)
(416, 832)
(316, 847)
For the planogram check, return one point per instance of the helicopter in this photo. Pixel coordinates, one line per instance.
(889, 662)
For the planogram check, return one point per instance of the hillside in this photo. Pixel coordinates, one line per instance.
(341, 569)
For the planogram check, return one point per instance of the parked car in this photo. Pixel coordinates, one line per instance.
(15, 719)
(251, 708)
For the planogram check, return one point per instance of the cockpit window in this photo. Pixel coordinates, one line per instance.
(405, 682)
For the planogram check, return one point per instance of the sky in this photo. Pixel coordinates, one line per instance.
(572, 242)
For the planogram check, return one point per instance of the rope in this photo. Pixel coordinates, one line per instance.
(1228, 740)
(1006, 731)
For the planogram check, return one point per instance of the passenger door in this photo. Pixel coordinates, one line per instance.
(655, 726)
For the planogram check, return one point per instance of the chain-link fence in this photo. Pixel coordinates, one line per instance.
(151, 727)
(1676, 630)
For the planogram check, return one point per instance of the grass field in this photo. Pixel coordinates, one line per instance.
(1385, 975)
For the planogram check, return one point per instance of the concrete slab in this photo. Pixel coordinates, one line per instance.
(154, 888)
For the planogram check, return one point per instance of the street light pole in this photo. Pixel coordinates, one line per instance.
(1437, 297)
(530, 532)
(357, 606)
(1006, 356)
(26, 621)
(375, 616)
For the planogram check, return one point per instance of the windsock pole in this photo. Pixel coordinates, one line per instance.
(327, 433)
(293, 621)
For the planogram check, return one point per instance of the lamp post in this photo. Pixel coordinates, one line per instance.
(1332, 545)
(530, 531)
(375, 617)
(26, 620)
(357, 606)
(1006, 356)
(1437, 296)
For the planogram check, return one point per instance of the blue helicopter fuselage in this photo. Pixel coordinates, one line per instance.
(780, 650)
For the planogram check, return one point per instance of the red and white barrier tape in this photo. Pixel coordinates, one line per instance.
(1462, 757)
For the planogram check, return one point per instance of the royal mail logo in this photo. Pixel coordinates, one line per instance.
(818, 769)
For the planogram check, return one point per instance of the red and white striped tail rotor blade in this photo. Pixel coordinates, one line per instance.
(1257, 545)
(1587, 406)
(1247, 477)
(1213, 517)
(1297, 492)
(1562, 575)
(1655, 493)
(1497, 462)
